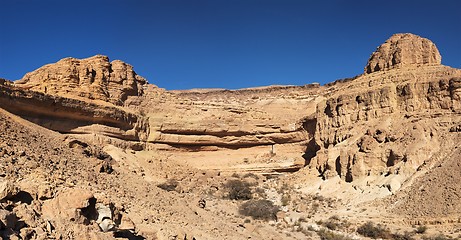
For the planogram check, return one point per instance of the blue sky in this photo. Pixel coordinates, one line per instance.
(183, 44)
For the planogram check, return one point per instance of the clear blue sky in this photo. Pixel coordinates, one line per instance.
(221, 43)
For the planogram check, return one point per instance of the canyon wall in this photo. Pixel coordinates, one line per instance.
(389, 120)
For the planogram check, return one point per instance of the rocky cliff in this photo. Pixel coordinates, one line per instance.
(73, 116)
(391, 134)
(91, 78)
(348, 128)
(384, 126)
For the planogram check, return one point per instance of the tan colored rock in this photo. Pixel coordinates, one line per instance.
(384, 122)
(367, 144)
(27, 214)
(93, 78)
(68, 205)
(392, 134)
(403, 49)
(7, 189)
(127, 223)
(45, 191)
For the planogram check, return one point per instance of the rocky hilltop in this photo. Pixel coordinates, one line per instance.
(403, 50)
(85, 143)
(91, 78)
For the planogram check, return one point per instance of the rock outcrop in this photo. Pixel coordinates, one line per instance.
(72, 116)
(390, 122)
(92, 78)
(391, 133)
(401, 50)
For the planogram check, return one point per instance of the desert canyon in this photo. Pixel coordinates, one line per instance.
(91, 150)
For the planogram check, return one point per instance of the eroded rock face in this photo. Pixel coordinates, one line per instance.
(69, 115)
(93, 78)
(376, 131)
(391, 122)
(403, 49)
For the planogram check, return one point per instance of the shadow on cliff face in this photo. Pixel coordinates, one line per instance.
(60, 113)
(312, 147)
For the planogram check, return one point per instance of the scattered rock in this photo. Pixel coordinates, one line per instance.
(456, 128)
(7, 189)
(45, 191)
(202, 203)
(126, 223)
(8, 220)
(104, 219)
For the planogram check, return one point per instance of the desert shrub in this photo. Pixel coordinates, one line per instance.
(283, 189)
(371, 230)
(438, 237)
(318, 198)
(306, 232)
(260, 192)
(235, 175)
(334, 223)
(238, 190)
(252, 175)
(142, 112)
(315, 207)
(285, 199)
(259, 209)
(404, 236)
(329, 235)
(169, 185)
(421, 229)
(335, 217)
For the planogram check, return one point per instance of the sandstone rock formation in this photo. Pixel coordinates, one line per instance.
(73, 116)
(92, 78)
(402, 50)
(388, 122)
(390, 134)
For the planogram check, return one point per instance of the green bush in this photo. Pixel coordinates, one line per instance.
(238, 190)
(259, 209)
(371, 230)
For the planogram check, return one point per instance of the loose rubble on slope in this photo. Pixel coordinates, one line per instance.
(90, 150)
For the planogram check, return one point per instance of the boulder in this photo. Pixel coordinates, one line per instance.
(70, 205)
(104, 219)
